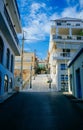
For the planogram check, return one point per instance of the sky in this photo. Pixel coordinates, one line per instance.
(36, 16)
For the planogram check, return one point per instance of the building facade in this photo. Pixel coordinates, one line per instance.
(10, 25)
(75, 72)
(29, 65)
(65, 39)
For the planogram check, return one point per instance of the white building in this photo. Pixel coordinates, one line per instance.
(10, 25)
(65, 39)
(75, 72)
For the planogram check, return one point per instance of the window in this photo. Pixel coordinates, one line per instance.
(58, 23)
(6, 83)
(63, 66)
(68, 24)
(64, 77)
(18, 59)
(10, 83)
(1, 50)
(78, 38)
(63, 86)
(12, 63)
(64, 82)
(69, 37)
(27, 59)
(53, 36)
(8, 59)
(66, 52)
(32, 58)
(59, 37)
(77, 24)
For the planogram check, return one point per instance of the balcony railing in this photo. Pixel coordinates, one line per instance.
(17, 9)
(65, 54)
(67, 37)
(69, 24)
(10, 24)
(62, 55)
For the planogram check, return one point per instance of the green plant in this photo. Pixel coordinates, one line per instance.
(81, 33)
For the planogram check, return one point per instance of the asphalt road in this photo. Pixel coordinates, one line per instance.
(40, 111)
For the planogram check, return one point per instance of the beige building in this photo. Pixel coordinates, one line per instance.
(65, 39)
(29, 65)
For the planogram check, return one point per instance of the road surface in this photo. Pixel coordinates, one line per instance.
(40, 111)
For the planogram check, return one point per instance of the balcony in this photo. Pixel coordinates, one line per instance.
(10, 24)
(14, 13)
(74, 38)
(67, 25)
(65, 54)
(8, 31)
(70, 24)
(62, 56)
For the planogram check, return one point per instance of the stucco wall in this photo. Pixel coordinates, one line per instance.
(77, 64)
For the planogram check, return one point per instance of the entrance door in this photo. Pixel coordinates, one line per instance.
(78, 84)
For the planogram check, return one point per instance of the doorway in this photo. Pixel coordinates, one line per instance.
(78, 83)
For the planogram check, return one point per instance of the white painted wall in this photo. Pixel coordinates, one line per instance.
(73, 45)
(78, 63)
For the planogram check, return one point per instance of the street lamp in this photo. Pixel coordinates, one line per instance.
(31, 77)
(21, 74)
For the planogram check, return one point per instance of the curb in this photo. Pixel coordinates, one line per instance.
(4, 99)
(78, 103)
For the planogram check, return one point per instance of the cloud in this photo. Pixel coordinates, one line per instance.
(22, 4)
(72, 12)
(67, 13)
(55, 16)
(81, 4)
(36, 21)
(72, 2)
(36, 6)
(36, 16)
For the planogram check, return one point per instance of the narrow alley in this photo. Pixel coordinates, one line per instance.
(41, 65)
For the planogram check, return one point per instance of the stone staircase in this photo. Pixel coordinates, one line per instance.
(39, 84)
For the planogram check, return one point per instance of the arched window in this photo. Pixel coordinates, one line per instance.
(8, 58)
(10, 83)
(12, 63)
(1, 50)
(6, 83)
